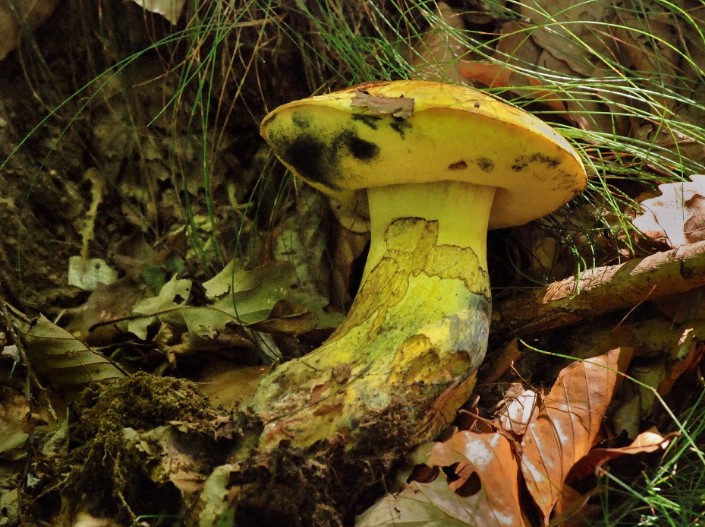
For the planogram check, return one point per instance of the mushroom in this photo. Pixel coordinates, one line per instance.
(439, 164)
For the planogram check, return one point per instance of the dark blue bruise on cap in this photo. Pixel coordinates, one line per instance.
(314, 154)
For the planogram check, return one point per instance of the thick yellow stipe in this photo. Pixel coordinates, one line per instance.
(417, 330)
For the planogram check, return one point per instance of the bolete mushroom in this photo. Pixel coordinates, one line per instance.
(439, 164)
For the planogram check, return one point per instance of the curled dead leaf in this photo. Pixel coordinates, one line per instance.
(645, 443)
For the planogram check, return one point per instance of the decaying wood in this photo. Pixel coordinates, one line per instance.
(601, 290)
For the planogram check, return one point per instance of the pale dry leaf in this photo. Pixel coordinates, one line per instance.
(418, 505)
(676, 216)
(568, 424)
(169, 9)
(694, 227)
(213, 503)
(519, 412)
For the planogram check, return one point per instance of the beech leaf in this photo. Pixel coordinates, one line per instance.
(568, 424)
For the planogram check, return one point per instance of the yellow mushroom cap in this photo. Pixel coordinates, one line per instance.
(406, 132)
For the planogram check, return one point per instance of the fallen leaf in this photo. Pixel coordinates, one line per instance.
(496, 75)
(87, 274)
(519, 412)
(485, 491)
(13, 409)
(90, 321)
(568, 424)
(418, 505)
(649, 373)
(164, 306)
(229, 385)
(62, 358)
(568, 31)
(249, 297)
(645, 443)
(626, 417)
(169, 9)
(16, 17)
(436, 55)
(677, 216)
(573, 508)
(688, 353)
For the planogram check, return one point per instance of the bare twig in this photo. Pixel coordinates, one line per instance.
(601, 290)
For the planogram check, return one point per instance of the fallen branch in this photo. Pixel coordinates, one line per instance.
(601, 290)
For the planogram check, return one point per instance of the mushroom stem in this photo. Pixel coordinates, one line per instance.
(405, 357)
(462, 211)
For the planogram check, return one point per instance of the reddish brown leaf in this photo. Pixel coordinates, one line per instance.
(573, 509)
(645, 443)
(689, 353)
(489, 458)
(568, 424)
(485, 492)
(497, 75)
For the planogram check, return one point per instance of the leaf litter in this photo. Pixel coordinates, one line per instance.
(487, 477)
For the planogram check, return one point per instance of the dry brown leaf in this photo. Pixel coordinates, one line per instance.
(229, 385)
(438, 52)
(19, 15)
(682, 307)
(688, 355)
(490, 457)
(573, 508)
(645, 443)
(486, 491)
(676, 217)
(63, 359)
(648, 44)
(570, 31)
(568, 424)
(498, 75)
